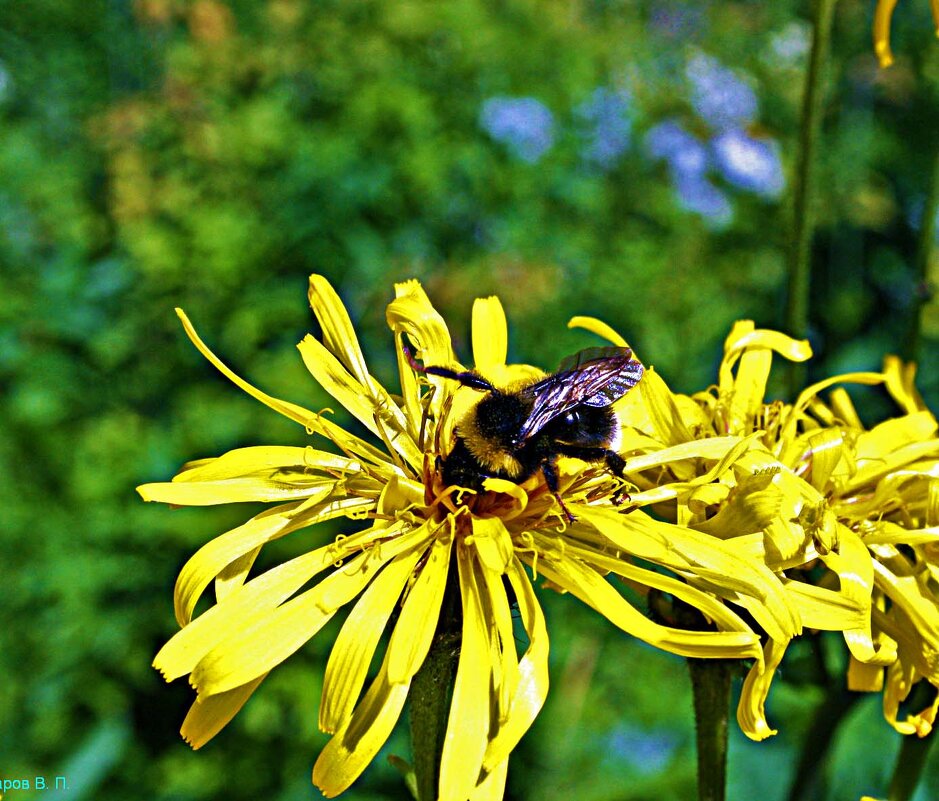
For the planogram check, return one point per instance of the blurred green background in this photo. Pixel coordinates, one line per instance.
(629, 160)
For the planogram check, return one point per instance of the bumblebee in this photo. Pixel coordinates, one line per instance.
(514, 432)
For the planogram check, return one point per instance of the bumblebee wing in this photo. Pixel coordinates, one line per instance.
(595, 377)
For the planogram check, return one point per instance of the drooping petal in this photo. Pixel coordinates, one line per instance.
(354, 648)
(468, 724)
(357, 742)
(413, 633)
(751, 709)
(490, 333)
(209, 715)
(599, 594)
(254, 599)
(532, 687)
(882, 16)
(266, 638)
(216, 555)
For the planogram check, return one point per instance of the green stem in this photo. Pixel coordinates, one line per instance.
(710, 682)
(924, 251)
(432, 690)
(797, 310)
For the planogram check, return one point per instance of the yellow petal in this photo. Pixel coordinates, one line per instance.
(882, 14)
(354, 746)
(355, 646)
(598, 327)
(532, 687)
(751, 709)
(492, 788)
(668, 426)
(900, 377)
(493, 543)
(256, 598)
(338, 332)
(864, 678)
(503, 656)
(468, 724)
(597, 593)
(411, 313)
(208, 716)
(413, 633)
(368, 403)
(314, 423)
(490, 333)
(213, 557)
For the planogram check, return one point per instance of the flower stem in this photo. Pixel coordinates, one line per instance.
(924, 251)
(710, 682)
(432, 690)
(909, 768)
(797, 311)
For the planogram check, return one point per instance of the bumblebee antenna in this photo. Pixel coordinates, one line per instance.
(467, 378)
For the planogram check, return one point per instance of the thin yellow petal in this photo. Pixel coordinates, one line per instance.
(213, 557)
(493, 543)
(256, 598)
(354, 746)
(208, 716)
(355, 645)
(668, 426)
(297, 413)
(598, 327)
(468, 724)
(490, 333)
(413, 633)
(864, 678)
(236, 490)
(338, 332)
(882, 15)
(267, 638)
(751, 709)
(492, 788)
(314, 423)
(599, 594)
(532, 687)
(368, 403)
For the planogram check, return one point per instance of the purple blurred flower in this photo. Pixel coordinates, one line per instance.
(748, 163)
(721, 98)
(608, 127)
(646, 751)
(523, 124)
(696, 193)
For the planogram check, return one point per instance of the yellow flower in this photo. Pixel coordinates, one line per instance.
(883, 13)
(813, 489)
(413, 532)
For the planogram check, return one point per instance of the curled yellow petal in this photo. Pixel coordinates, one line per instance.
(882, 16)
(598, 327)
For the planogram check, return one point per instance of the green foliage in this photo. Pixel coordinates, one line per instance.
(210, 155)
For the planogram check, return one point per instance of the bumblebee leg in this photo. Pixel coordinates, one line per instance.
(550, 471)
(614, 463)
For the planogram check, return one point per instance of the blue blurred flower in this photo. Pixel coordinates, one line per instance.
(670, 141)
(688, 163)
(748, 163)
(676, 22)
(721, 98)
(696, 193)
(608, 127)
(646, 751)
(523, 124)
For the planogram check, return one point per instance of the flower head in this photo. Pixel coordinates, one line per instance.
(409, 532)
